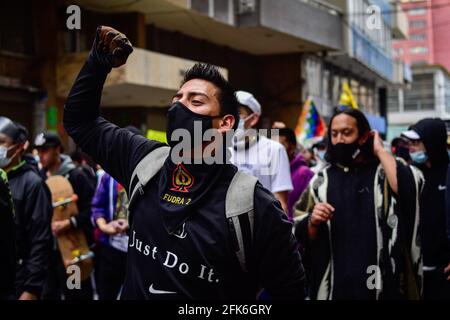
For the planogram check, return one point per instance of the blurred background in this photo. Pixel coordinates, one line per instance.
(394, 55)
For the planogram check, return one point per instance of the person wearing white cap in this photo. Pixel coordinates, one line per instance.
(258, 155)
(428, 150)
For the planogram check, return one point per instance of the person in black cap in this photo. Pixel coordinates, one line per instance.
(7, 240)
(33, 210)
(400, 148)
(428, 151)
(54, 163)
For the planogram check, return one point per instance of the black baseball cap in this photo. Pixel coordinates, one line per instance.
(46, 140)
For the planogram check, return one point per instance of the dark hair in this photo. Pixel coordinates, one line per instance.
(361, 121)
(363, 127)
(289, 134)
(79, 156)
(398, 141)
(227, 98)
(22, 136)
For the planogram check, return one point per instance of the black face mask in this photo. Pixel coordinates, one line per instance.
(180, 117)
(345, 154)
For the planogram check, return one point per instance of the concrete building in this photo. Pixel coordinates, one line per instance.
(282, 51)
(427, 97)
(429, 27)
(365, 62)
(427, 51)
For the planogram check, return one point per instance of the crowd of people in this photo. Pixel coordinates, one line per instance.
(342, 218)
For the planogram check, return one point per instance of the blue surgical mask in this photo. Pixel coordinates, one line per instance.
(321, 154)
(419, 157)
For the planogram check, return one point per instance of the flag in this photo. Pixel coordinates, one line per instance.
(310, 124)
(347, 100)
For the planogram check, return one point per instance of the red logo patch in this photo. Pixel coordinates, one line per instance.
(182, 180)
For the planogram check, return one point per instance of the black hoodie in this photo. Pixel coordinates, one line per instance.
(433, 134)
(7, 239)
(32, 202)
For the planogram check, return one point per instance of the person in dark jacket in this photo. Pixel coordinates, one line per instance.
(300, 172)
(428, 151)
(110, 215)
(32, 202)
(55, 163)
(183, 249)
(358, 221)
(7, 237)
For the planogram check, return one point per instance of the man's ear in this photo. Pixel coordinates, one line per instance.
(226, 123)
(364, 138)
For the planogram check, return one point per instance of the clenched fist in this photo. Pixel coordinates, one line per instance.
(322, 212)
(111, 48)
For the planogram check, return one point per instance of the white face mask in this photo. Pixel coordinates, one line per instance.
(4, 160)
(242, 122)
(240, 131)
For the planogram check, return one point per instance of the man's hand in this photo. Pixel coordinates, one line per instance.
(322, 212)
(378, 146)
(111, 47)
(122, 225)
(113, 227)
(387, 161)
(27, 296)
(447, 270)
(58, 227)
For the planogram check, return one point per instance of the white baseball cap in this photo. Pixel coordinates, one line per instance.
(248, 100)
(411, 134)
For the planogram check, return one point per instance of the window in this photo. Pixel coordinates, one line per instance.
(418, 62)
(416, 24)
(421, 94)
(393, 100)
(416, 50)
(418, 36)
(447, 94)
(416, 11)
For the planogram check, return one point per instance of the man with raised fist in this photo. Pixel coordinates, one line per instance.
(197, 230)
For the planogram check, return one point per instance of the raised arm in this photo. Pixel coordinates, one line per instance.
(116, 150)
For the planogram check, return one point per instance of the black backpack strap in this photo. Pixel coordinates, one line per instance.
(239, 210)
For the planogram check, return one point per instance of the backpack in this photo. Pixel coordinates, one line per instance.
(239, 209)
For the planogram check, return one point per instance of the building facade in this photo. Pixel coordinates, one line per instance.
(429, 27)
(428, 96)
(282, 51)
(427, 51)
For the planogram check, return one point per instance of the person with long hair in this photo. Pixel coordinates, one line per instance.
(358, 219)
